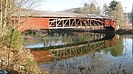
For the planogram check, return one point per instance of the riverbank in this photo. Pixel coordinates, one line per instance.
(17, 62)
(124, 31)
(120, 31)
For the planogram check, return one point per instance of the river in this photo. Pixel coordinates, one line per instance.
(82, 53)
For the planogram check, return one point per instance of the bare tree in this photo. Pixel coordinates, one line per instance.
(132, 16)
(105, 9)
(11, 39)
(88, 9)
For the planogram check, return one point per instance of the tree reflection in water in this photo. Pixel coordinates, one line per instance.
(102, 56)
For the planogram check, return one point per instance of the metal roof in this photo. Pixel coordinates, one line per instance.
(37, 13)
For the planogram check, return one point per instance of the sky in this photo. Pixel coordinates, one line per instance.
(60, 5)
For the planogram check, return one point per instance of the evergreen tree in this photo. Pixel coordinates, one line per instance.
(112, 5)
(116, 10)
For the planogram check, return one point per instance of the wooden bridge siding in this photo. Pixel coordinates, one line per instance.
(33, 23)
(63, 23)
(109, 23)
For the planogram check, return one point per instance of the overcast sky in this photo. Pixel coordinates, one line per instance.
(60, 5)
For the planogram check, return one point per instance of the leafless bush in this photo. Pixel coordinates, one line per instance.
(11, 39)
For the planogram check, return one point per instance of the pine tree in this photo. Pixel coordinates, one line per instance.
(112, 5)
(116, 10)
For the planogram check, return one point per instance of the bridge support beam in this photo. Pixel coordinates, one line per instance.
(79, 23)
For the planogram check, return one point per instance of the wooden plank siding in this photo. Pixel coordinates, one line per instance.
(33, 23)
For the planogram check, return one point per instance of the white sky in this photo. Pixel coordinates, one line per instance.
(59, 5)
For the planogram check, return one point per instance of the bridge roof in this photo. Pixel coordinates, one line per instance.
(35, 13)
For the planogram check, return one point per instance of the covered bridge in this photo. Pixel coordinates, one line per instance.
(31, 19)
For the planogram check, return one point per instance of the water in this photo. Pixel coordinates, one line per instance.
(83, 53)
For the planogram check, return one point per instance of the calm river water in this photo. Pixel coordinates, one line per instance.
(83, 53)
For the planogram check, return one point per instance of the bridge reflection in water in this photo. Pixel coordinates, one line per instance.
(99, 42)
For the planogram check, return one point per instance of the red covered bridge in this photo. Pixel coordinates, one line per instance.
(62, 20)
